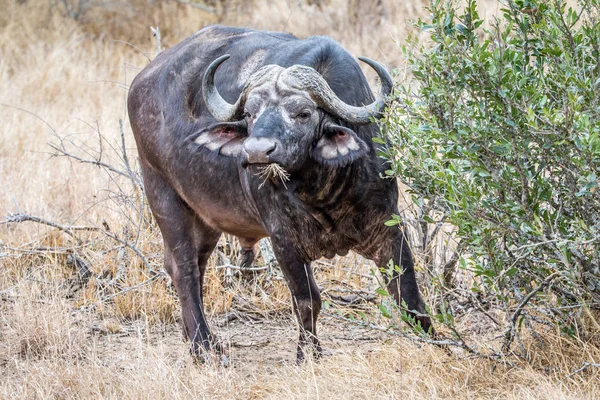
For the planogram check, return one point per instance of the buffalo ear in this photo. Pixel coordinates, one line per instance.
(227, 138)
(339, 146)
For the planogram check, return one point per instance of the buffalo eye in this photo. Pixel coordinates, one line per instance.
(303, 115)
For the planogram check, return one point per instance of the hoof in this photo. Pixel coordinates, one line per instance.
(308, 351)
(212, 359)
(213, 354)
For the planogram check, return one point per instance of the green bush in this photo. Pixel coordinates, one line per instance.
(499, 130)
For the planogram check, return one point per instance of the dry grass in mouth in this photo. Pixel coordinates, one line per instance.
(274, 172)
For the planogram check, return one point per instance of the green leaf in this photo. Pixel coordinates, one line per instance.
(428, 219)
(384, 311)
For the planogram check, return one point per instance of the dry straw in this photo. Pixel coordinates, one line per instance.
(273, 172)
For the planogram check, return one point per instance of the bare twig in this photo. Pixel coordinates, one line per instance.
(583, 366)
(31, 113)
(480, 308)
(156, 34)
(123, 152)
(18, 218)
(43, 250)
(135, 47)
(134, 287)
(62, 152)
(69, 230)
(226, 262)
(238, 268)
(509, 335)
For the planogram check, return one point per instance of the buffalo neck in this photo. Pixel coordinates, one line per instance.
(330, 189)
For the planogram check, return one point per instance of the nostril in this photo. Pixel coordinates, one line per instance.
(259, 149)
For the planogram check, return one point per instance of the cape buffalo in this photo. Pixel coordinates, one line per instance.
(260, 134)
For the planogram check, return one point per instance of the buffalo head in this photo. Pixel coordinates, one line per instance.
(287, 116)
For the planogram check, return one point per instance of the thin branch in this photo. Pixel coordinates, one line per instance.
(583, 366)
(135, 47)
(134, 287)
(510, 332)
(42, 250)
(480, 308)
(63, 153)
(231, 266)
(132, 175)
(156, 34)
(18, 218)
(31, 113)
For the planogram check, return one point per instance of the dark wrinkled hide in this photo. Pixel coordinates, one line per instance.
(330, 205)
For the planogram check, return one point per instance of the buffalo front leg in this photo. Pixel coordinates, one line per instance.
(306, 299)
(188, 244)
(401, 280)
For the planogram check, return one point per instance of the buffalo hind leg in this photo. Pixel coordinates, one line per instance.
(402, 285)
(306, 299)
(186, 265)
(188, 243)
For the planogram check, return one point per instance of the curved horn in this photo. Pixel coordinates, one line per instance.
(308, 79)
(218, 107)
(387, 85)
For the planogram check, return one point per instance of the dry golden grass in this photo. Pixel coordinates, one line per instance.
(117, 335)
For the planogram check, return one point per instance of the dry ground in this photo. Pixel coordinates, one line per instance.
(116, 335)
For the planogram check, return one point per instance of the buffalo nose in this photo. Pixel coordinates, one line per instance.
(258, 149)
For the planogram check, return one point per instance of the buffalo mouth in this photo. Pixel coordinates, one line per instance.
(254, 166)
